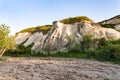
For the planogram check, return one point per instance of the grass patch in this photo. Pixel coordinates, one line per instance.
(61, 55)
(2, 59)
(72, 20)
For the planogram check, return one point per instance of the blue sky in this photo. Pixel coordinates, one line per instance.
(21, 14)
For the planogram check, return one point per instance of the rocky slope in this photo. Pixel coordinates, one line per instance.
(31, 35)
(113, 22)
(57, 69)
(65, 34)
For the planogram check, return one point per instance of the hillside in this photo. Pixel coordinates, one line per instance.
(33, 33)
(74, 41)
(113, 22)
(65, 34)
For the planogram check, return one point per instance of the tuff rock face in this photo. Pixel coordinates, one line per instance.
(21, 37)
(28, 38)
(113, 21)
(61, 34)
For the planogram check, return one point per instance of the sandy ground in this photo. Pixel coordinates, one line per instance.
(57, 69)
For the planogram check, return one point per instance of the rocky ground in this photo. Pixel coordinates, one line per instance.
(57, 69)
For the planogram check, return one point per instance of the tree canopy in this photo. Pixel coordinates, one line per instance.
(6, 41)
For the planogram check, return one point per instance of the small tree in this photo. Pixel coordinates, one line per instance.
(6, 42)
(88, 43)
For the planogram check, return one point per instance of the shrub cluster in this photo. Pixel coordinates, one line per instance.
(108, 25)
(72, 20)
(100, 49)
(44, 29)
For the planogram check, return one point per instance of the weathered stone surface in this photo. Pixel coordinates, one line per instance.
(61, 34)
(113, 20)
(21, 37)
(117, 27)
(35, 37)
(57, 69)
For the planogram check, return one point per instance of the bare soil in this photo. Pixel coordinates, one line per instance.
(57, 69)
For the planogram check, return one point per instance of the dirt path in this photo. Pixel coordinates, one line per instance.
(57, 69)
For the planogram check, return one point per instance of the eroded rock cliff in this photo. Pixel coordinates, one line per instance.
(63, 36)
(113, 22)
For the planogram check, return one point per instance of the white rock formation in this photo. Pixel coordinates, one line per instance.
(34, 38)
(117, 27)
(21, 37)
(63, 36)
(114, 20)
(60, 35)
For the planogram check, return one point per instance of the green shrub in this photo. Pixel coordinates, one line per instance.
(102, 42)
(21, 50)
(108, 25)
(44, 29)
(54, 22)
(88, 43)
(72, 20)
(108, 52)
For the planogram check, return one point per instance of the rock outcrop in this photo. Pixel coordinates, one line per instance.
(113, 22)
(63, 36)
(22, 37)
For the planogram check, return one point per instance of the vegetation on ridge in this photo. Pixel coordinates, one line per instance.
(44, 29)
(72, 20)
(108, 25)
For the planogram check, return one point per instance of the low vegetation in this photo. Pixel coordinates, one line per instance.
(44, 29)
(72, 20)
(105, 50)
(89, 48)
(108, 25)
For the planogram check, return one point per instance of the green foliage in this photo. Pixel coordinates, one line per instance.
(48, 48)
(72, 20)
(20, 51)
(102, 42)
(108, 25)
(111, 51)
(54, 22)
(107, 79)
(118, 30)
(88, 43)
(6, 42)
(71, 40)
(44, 29)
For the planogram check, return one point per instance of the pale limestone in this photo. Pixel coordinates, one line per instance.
(60, 35)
